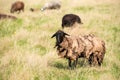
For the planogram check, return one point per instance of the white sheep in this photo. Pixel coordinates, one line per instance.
(55, 4)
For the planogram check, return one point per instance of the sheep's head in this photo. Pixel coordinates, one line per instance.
(12, 10)
(31, 9)
(59, 36)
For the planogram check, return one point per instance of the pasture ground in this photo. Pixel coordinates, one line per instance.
(26, 47)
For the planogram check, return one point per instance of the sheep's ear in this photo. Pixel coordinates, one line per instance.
(53, 35)
(66, 34)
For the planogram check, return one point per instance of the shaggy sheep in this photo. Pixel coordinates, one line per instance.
(70, 19)
(4, 16)
(56, 4)
(17, 6)
(74, 47)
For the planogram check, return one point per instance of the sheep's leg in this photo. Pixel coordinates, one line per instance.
(75, 62)
(91, 59)
(95, 59)
(95, 62)
(69, 63)
(99, 59)
(99, 62)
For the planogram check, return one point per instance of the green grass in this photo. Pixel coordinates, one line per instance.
(84, 9)
(115, 71)
(41, 49)
(27, 50)
(8, 27)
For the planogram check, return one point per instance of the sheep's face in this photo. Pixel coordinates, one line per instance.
(12, 10)
(59, 36)
(31, 9)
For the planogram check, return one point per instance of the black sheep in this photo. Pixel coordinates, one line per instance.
(70, 19)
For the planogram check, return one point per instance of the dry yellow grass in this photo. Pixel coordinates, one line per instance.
(26, 47)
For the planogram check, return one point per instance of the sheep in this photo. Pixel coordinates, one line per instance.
(74, 47)
(33, 10)
(17, 6)
(62, 51)
(56, 4)
(70, 19)
(4, 16)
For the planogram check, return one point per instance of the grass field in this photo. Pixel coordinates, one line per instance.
(26, 47)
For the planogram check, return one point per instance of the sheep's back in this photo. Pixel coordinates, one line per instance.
(18, 5)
